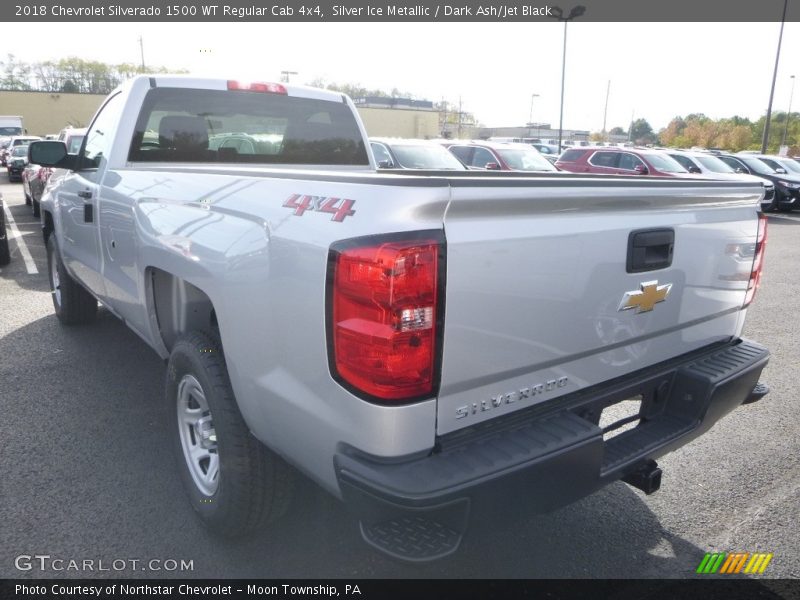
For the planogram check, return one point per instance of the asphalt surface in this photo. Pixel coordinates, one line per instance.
(87, 471)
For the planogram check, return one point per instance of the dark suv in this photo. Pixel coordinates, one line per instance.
(619, 161)
(787, 186)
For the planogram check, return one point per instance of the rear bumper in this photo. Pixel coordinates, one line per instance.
(546, 456)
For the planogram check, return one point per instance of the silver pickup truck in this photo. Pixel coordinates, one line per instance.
(422, 345)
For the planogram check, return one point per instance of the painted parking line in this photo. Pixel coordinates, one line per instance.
(14, 234)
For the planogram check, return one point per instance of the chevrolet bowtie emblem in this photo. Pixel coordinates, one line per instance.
(644, 300)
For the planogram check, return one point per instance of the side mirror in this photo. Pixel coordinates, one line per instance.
(50, 154)
(492, 166)
(385, 164)
(694, 169)
(641, 169)
(781, 170)
(740, 170)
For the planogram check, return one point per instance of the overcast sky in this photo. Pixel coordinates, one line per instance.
(657, 70)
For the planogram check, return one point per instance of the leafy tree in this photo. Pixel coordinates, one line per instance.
(642, 132)
(617, 131)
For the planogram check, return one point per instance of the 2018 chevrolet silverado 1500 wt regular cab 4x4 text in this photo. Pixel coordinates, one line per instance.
(418, 344)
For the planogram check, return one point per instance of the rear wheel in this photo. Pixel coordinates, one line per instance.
(72, 303)
(234, 483)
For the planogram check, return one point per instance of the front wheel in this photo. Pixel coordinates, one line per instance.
(234, 483)
(72, 303)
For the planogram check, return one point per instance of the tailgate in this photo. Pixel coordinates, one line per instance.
(540, 298)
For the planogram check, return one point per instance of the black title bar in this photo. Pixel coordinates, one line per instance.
(338, 11)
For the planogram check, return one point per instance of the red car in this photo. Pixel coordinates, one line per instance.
(499, 156)
(620, 161)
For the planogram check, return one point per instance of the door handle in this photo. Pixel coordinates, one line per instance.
(85, 194)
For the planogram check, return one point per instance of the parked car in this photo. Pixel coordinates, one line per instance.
(499, 156)
(619, 161)
(16, 161)
(72, 138)
(12, 143)
(708, 164)
(35, 177)
(397, 153)
(787, 186)
(549, 151)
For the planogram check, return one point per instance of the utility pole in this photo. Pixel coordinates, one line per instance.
(788, 113)
(530, 115)
(141, 50)
(765, 139)
(630, 127)
(459, 117)
(605, 111)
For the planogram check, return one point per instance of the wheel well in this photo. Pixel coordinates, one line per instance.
(180, 307)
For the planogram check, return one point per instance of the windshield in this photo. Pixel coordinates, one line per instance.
(423, 156)
(521, 159)
(19, 151)
(665, 164)
(10, 130)
(759, 166)
(713, 164)
(789, 165)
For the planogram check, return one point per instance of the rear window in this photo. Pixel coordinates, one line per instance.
(571, 155)
(191, 125)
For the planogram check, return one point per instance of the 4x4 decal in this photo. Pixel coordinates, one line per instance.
(338, 207)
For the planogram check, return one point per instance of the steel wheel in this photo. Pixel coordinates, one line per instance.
(197, 435)
(55, 282)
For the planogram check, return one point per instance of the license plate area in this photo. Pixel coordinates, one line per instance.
(620, 417)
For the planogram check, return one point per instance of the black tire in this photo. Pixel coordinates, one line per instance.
(253, 485)
(72, 303)
(5, 253)
(36, 208)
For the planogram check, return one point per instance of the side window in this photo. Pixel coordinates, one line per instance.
(381, 154)
(482, 157)
(462, 153)
(628, 161)
(733, 163)
(98, 137)
(684, 161)
(605, 159)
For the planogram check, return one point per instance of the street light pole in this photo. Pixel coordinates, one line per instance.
(788, 113)
(558, 13)
(530, 115)
(605, 112)
(765, 139)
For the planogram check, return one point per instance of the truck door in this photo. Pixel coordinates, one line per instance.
(77, 201)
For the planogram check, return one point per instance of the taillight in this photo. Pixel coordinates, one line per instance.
(758, 260)
(268, 88)
(385, 315)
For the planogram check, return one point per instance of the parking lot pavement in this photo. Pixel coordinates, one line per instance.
(87, 469)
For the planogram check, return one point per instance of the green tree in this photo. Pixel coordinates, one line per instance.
(642, 132)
